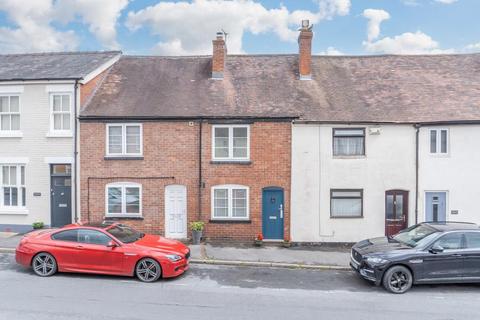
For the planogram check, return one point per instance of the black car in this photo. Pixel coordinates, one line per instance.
(430, 252)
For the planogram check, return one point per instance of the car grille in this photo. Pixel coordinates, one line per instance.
(187, 255)
(357, 257)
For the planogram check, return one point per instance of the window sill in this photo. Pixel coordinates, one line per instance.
(13, 134)
(240, 162)
(59, 135)
(123, 158)
(123, 217)
(350, 157)
(230, 221)
(347, 217)
(10, 211)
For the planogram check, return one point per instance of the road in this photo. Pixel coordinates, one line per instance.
(220, 292)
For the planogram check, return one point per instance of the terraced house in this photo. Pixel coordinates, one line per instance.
(40, 97)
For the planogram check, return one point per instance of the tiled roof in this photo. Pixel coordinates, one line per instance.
(54, 65)
(406, 89)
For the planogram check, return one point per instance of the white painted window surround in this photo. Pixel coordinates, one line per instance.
(10, 116)
(123, 199)
(231, 142)
(61, 114)
(124, 140)
(230, 202)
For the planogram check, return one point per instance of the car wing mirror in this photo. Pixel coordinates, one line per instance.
(436, 249)
(112, 244)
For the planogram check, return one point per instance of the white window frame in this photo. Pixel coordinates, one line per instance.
(230, 143)
(123, 186)
(60, 133)
(438, 152)
(12, 133)
(229, 188)
(19, 207)
(124, 140)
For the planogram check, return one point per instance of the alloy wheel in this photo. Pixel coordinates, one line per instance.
(44, 264)
(148, 270)
(398, 279)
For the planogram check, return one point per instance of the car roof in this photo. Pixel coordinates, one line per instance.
(452, 225)
(99, 225)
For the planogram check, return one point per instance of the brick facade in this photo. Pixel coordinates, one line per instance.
(170, 156)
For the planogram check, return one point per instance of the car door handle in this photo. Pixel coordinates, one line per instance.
(457, 255)
(79, 247)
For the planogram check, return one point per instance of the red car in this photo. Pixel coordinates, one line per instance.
(107, 248)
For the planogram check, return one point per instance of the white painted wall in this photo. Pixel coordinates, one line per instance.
(38, 147)
(389, 164)
(458, 172)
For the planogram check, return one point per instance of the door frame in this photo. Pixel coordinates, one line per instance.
(185, 234)
(406, 205)
(66, 175)
(425, 202)
(274, 188)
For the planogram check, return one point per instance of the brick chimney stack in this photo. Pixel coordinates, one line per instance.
(305, 51)
(219, 55)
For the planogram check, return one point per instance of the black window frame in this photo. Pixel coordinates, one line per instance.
(349, 136)
(93, 230)
(466, 239)
(53, 236)
(346, 190)
(463, 242)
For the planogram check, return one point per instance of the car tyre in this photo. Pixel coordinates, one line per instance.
(398, 279)
(44, 264)
(148, 270)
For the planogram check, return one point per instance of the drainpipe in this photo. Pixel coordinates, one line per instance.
(75, 153)
(200, 170)
(417, 132)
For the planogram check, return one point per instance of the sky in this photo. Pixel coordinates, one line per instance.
(186, 27)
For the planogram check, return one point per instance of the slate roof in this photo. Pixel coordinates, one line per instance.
(378, 89)
(54, 65)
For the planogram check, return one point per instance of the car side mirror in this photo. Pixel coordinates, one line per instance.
(112, 244)
(436, 249)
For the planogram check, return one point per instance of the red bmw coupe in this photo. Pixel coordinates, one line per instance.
(107, 248)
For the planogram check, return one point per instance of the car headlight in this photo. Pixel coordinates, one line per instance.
(174, 257)
(376, 260)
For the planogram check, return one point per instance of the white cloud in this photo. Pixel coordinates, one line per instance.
(406, 43)
(446, 1)
(331, 51)
(375, 18)
(189, 27)
(33, 30)
(473, 47)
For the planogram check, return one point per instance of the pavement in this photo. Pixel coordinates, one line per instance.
(225, 292)
(309, 257)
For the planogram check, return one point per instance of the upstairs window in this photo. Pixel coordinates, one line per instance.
(124, 199)
(438, 141)
(231, 142)
(124, 140)
(230, 202)
(13, 193)
(9, 113)
(349, 141)
(61, 118)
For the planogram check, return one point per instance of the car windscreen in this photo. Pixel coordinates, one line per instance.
(413, 235)
(125, 233)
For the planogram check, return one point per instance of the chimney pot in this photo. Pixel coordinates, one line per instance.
(218, 57)
(305, 51)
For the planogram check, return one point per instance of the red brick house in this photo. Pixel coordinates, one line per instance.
(170, 140)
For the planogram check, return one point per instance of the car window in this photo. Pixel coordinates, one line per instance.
(68, 235)
(93, 237)
(473, 240)
(450, 241)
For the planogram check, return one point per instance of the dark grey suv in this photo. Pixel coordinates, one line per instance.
(431, 252)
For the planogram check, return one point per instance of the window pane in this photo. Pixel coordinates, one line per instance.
(93, 237)
(5, 122)
(66, 102)
(62, 169)
(221, 142)
(239, 152)
(24, 196)
(346, 207)
(14, 104)
(133, 139)
(6, 175)
(22, 175)
(450, 241)
(115, 139)
(473, 240)
(348, 132)
(57, 103)
(220, 212)
(13, 175)
(389, 207)
(443, 140)
(221, 132)
(399, 206)
(114, 200)
(70, 235)
(346, 194)
(221, 152)
(433, 141)
(132, 195)
(220, 197)
(4, 104)
(57, 122)
(66, 121)
(240, 132)
(6, 196)
(14, 192)
(348, 146)
(15, 122)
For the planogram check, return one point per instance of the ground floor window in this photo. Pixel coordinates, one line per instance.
(13, 193)
(124, 199)
(346, 203)
(230, 202)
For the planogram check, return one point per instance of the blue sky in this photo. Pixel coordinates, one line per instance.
(255, 26)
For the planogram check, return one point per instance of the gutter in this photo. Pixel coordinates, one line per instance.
(200, 182)
(176, 118)
(75, 153)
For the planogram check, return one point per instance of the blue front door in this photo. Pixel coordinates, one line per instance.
(272, 213)
(436, 206)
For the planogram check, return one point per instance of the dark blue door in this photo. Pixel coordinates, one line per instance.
(272, 213)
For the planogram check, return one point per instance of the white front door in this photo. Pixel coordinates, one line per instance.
(176, 211)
